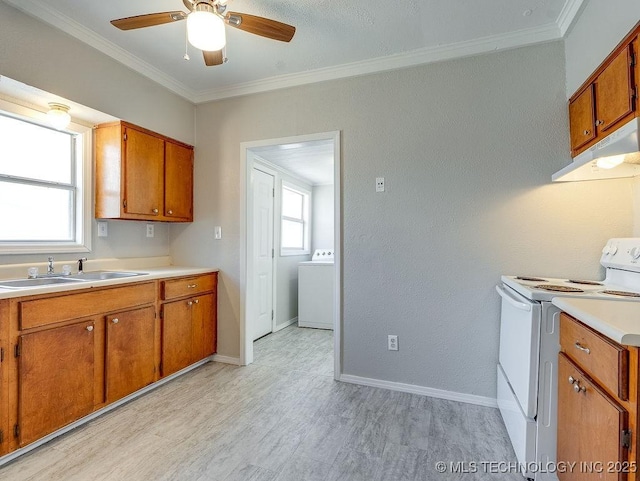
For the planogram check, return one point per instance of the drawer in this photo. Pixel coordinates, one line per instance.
(600, 358)
(188, 286)
(41, 312)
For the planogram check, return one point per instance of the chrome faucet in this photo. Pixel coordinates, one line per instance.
(50, 265)
(80, 265)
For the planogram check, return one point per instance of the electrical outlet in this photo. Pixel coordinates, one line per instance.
(217, 232)
(379, 184)
(392, 342)
(103, 230)
(150, 230)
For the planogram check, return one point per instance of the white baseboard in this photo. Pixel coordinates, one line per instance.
(226, 359)
(286, 324)
(425, 391)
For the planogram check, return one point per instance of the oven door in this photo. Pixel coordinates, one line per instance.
(520, 346)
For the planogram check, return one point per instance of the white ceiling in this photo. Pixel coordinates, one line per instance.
(334, 38)
(311, 161)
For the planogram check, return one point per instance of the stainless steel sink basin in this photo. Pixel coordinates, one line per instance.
(39, 281)
(104, 275)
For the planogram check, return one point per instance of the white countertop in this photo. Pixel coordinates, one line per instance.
(150, 273)
(619, 320)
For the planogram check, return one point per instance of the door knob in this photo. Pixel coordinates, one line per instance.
(115, 320)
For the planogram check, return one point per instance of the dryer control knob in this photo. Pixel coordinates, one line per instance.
(605, 250)
(613, 249)
(635, 252)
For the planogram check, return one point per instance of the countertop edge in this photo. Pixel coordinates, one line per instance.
(149, 274)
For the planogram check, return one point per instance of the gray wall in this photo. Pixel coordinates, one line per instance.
(322, 218)
(41, 56)
(467, 148)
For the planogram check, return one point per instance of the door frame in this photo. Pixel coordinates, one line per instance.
(247, 291)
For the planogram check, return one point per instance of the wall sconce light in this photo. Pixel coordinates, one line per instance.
(58, 116)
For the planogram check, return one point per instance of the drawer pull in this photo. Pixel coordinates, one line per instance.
(89, 328)
(582, 348)
(192, 286)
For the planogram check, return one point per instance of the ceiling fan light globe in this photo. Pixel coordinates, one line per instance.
(205, 31)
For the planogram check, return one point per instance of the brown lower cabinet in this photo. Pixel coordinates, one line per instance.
(74, 353)
(597, 405)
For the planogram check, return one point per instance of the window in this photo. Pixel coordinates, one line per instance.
(294, 239)
(42, 177)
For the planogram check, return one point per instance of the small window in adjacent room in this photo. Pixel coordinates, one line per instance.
(42, 194)
(294, 239)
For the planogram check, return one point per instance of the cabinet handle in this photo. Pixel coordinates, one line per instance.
(587, 132)
(170, 212)
(582, 348)
(599, 122)
(192, 286)
(115, 320)
(196, 301)
(155, 211)
(571, 380)
(89, 328)
(578, 388)
(189, 303)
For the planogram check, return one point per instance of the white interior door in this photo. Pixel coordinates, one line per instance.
(263, 185)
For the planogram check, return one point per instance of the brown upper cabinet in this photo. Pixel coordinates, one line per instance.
(608, 98)
(142, 175)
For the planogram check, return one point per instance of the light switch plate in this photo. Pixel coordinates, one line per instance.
(150, 230)
(103, 229)
(217, 232)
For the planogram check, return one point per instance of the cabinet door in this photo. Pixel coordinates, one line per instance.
(55, 379)
(178, 178)
(581, 118)
(614, 99)
(589, 427)
(143, 173)
(129, 352)
(204, 326)
(177, 336)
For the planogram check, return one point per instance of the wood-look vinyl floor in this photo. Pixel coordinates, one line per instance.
(282, 418)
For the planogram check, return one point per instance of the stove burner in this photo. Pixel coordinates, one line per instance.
(586, 283)
(553, 287)
(622, 293)
(532, 279)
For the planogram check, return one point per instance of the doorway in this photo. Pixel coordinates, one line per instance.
(289, 182)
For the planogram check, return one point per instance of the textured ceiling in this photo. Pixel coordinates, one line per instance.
(334, 38)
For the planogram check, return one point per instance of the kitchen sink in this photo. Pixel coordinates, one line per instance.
(39, 281)
(103, 275)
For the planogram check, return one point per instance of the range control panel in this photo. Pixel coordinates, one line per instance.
(622, 253)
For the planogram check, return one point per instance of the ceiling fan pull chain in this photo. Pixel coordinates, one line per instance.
(186, 45)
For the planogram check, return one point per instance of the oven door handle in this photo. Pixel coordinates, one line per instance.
(517, 304)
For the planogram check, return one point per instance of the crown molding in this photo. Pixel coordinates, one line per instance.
(41, 11)
(412, 58)
(510, 40)
(568, 14)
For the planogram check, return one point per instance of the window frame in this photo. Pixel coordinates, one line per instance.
(305, 221)
(80, 188)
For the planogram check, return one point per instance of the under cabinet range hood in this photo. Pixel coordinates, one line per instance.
(615, 156)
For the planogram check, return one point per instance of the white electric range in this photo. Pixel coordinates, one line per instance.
(529, 345)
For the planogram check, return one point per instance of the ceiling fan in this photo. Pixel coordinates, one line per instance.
(206, 26)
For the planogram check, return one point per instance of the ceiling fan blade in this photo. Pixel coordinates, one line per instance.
(264, 27)
(149, 20)
(213, 58)
(188, 4)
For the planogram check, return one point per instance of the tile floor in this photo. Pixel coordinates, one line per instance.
(282, 418)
